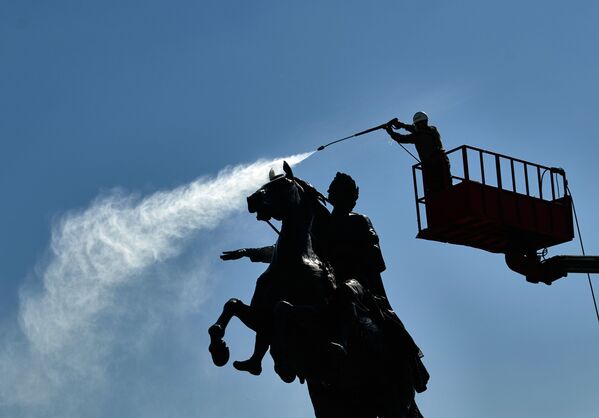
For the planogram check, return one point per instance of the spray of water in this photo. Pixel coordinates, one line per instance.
(95, 253)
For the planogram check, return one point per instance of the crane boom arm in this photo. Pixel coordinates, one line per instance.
(551, 269)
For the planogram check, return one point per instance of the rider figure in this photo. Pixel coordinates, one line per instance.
(352, 247)
(350, 241)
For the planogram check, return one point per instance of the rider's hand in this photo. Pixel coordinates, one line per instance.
(233, 255)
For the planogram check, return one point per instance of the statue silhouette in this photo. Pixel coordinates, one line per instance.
(296, 311)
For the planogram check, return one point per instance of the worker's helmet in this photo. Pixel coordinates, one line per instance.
(343, 192)
(420, 117)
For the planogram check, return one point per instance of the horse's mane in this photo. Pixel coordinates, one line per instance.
(310, 191)
(320, 213)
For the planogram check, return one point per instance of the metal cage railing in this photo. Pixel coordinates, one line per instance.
(497, 170)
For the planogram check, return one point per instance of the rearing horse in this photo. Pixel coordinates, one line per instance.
(296, 275)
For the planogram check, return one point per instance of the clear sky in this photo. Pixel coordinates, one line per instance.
(123, 99)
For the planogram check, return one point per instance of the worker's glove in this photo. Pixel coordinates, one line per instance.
(389, 128)
(394, 123)
(399, 125)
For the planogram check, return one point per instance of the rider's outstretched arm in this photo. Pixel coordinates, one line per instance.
(256, 255)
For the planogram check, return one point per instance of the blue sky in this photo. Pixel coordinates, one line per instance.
(119, 99)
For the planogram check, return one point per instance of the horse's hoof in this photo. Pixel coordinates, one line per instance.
(249, 366)
(218, 348)
(220, 352)
(286, 376)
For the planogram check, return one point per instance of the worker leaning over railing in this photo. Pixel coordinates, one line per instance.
(436, 173)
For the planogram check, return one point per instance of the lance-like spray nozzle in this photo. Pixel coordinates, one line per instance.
(394, 122)
(376, 128)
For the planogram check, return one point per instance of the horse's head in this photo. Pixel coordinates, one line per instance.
(277, 197)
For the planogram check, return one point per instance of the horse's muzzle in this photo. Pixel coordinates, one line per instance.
(256, 205)
(253, 202)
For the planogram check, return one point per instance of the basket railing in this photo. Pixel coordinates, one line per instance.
(496, 170)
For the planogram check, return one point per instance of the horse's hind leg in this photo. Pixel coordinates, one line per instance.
(218, 348)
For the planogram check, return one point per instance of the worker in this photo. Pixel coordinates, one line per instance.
(435, 164)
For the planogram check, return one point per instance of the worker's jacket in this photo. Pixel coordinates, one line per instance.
(435, 164)
(427, 141)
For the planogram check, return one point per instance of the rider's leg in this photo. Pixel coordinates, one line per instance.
(344, 317)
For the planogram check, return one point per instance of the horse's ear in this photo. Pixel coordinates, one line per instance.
(287, 170)
(271, 174)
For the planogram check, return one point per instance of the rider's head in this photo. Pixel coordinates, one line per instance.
(343, 192)
(420, 120)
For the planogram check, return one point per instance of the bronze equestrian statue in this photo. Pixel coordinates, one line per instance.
(371, 367)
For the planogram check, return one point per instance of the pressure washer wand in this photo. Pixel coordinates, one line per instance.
(376, 128)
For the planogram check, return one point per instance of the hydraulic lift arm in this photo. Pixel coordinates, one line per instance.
(551, 269)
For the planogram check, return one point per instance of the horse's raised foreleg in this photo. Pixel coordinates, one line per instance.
(234, 307)
(253, 365)
(245, 313)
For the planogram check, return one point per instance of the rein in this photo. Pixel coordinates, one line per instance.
(273, 227)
